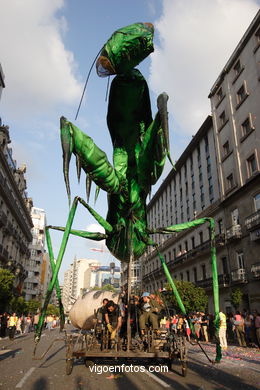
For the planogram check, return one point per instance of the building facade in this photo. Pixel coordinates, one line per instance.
(38, 265)
(15, 219)
(217, 176)
(84, 275)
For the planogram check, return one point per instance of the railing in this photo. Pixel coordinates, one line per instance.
(255, 269)
(223, 280)
(238, 275)
(234, 232)
(253, 220)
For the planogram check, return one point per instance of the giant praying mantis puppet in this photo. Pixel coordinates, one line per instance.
(140, 148)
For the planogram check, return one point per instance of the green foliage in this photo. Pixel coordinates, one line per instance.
(33, 306)
(194, 298)
(106, 287)
(53, 310)
(18, 305)
(6, 288)
(236, 297)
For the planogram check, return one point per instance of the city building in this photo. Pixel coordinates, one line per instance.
(217, 176)
(77, 279)
(15, 219)
(136, 276)
(38, 266)
(84, 275)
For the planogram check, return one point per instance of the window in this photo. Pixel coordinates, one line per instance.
(195, 274)
(246, 127)
(188, 275)
(222, 118)
(257, 36)
(186, 245)
(191, 163)
(220, 226)
(257, 201)
(241, 94)
(208, 165)
(251, 165)
(201, 237)
(224, 265)
(230, 181)
(198, 154)
(220, 94)
(226, 148)
(235, 217)
(206, 144)
(237, 68)
(193, 242)
(240, 260)
(203, 271)
(181, 276)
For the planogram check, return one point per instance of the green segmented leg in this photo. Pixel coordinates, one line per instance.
(56, 270)
(57, 286)
(55, 267)
(184, 226)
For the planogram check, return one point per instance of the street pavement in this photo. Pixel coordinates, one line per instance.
(238, 370)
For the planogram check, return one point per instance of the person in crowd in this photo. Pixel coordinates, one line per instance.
(204, 327)
(3, 324)
(248, 328)
(187, 327)
(36, 320)
(257, 327)
(174, 323)
(223, 330)
(12, 324)
(197, 326)
(28, 324)
(113, 318)
(240, 329)
(100, 314)
(49, 322)
(149, 310)
(211, 327)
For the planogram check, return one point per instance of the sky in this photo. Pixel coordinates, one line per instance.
(47, 49)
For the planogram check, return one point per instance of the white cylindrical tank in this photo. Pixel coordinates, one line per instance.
(82, 312)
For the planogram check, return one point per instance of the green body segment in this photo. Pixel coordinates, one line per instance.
(135, 137)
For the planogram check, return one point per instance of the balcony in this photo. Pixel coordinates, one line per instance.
(223, 281)
(255, 269)
(238, 275)
(220, 239)
(233, 232)
(253, 220)
(3, 218)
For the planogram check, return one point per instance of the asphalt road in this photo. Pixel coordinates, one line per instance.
(239, 369)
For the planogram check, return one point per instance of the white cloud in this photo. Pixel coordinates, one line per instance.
(196, 39)
(39, 71)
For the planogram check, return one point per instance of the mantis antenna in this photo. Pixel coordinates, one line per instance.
(84, 89)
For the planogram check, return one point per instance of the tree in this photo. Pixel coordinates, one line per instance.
(194, 298)
(6, 288)
(33, 306)
(236, 297)
(53, 310)
(18, 305)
